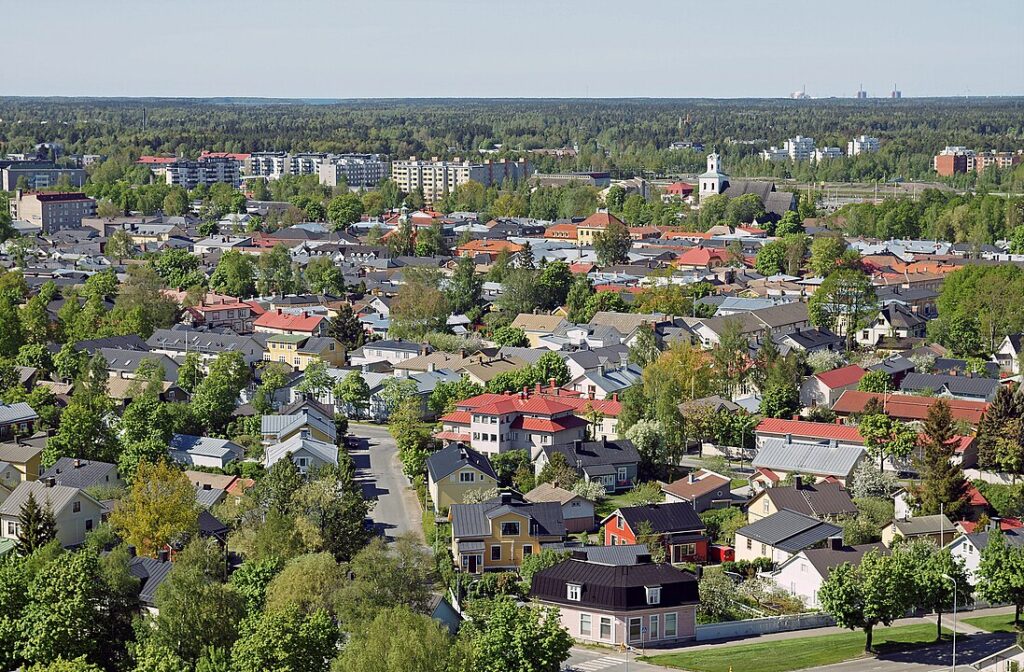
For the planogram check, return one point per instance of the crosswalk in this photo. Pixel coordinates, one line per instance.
(597, 664)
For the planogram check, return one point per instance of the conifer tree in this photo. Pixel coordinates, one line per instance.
(36, 525)
(943, 484)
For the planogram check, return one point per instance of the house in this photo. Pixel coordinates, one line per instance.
(817, 449)
(703, 489)
(908, 407)
(823, 389)
(23, 457)
(17, 419)
(498, 534)
(76, 473)
(150, 572)
(613, 464)
(123, 363)
(577, 511)
(603, 382)
(394, 352)
(803, 573)
(304, 416)
(774, 321)
(306, 452)
(896, 367)
(204, 451)
(809, 341)
(281, 322)
(536, 326)
(702, 258)
(824, 501)
(782, 535)
(676, 525)
(771, 429)
(299, 351)
(938, 528)
(633, 601)
(455, 470)
(894, 321)
(179, 341)
(968, 548)
(217, 311)
(1008, 353)
(969, 388)
(208, 496)
(75, 511)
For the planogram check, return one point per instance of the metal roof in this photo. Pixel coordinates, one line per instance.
(819, 459)
(789, 531)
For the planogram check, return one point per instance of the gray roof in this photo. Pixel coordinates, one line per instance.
(23, 449)
(820, 500)
(208, 342)
(590, 454)
(961, 386)
(84, 474)
(208, 497)
(923, 525)
(129, 360)
(790, 531)
(59, 496)
(825, 559)
(326, 452)
(808, 458)
(474, 520)
(17, 412)
(1013, 537)
(446, 461)
(151, 573)
(280, 425)
(206, 446)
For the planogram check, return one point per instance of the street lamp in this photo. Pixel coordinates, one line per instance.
(953, 581)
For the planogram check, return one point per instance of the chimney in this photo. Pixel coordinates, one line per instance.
(615, 396)
(835, 543)
(131, 551)
(462, 353)
(578, 555)
(993, 523)
(590, 395)
(551, 384)
(798, 481)
(207, 486)
(796, 416)
(506, 497)
(49, 482)
(600, 369)
(163, 555)
(78, 463)
(839, 421)
(690, 478)
(537, 388)
(525, 392)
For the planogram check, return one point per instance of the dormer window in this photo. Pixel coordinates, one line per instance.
(573, 591)
(653, 594)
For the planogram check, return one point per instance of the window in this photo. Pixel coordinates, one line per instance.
(585, 625)
(572, 591)
(88, 525)
(76, 507)
(653, 594)
(803, 567)
(466, 476)
(510, 529)
(763, 549)
(620, 523)
(496, 552)
(527, 550)
(653, 633)
(614, 539)
(764, 505)
(635, 629)
(750, 544)
(12, 528)
(606, 628)
(622, 474)
(671, 625)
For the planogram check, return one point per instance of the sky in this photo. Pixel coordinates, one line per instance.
(512, 48)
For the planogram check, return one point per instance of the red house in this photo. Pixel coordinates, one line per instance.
(677, 525)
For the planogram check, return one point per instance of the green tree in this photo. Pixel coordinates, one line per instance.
(36, 525)
(771, 258)
(420, 306)
(331, 512)
(712, 210)
(878, 591)
(159, 507)
(558, 472)
(324, 277)
(216, 395)
(555, 280)
(887, 438)
(447, 394)
(943, 485)
(464, 287)
(1000, 576)
(399, 639)
(645, 348)
(826, 253)
(789, 224)
(316, 382)
(843, 302)
(612, 245)
(745, 209)
(234, 275)
(928, 566)
(344, 209)
(275, 273)
(386, 577)
(551, 366)
(285, 641)
(252, 579)
(577, 299)
(179, 268)
(510, 336)
(354, 392)
(510, 637)
(11, 338)
(347, 329)
(876, 381)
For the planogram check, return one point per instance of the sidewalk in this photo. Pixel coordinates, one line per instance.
(947, 622)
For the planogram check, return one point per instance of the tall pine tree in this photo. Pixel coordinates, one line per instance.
(1007, 405)
(36, 525)
(942, 487)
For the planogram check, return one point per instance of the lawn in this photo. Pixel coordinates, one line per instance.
(609, 504)
(796, 654)
(998, 623)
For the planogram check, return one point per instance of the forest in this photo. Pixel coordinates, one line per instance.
(626, 137)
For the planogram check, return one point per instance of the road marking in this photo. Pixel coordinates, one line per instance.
(596, 664)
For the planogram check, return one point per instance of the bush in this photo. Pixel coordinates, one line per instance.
(723, 523)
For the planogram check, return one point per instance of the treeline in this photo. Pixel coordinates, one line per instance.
(627, 137)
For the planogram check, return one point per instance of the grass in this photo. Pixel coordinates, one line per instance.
(609, 504)
(738, 483)
(997, 623)
(801, 653)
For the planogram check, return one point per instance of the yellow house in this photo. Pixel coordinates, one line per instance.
(454, 471)
(299, 350)
(498, 534)
(824, 501)
(21, 460)
(593, 225)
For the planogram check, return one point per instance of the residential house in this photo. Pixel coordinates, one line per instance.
(218, 311)
(613, 464)
(815, 449)
(208, 496)
(77, 473)
(970, 388)
(204, 451)
(894, 321)
(803, 573)
(809, 341)
(487, 369)
(299, 350)
(306, 452)
(968, 547)
(536, 326)
(825, 501)
(455, 470)
(782, 535)
(498, 534)
(577, 511)
(394, 352)
(179, 341)
(17, 419)
(676, 526)
(896, 368)
(703, 489)
(23, 458)
(75, 511)
(937, 528)
(774, 321)
(1008, 354)
(603, 382)
(632, 602)
(124, 363)
(151, 572)
(281, 322)
(823, 389)
(908, 407)
(304, 416)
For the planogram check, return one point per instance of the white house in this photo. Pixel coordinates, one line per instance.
(1008, 353)
(803, 574)
(968, 548)
(306, 452)
(75, 511)
(204, 451)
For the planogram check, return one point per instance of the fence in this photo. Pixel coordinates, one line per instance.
(997, 478)
(762, 626)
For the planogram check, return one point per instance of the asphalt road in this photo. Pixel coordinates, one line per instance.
(931, 658)
(395, 512)
(593, 660)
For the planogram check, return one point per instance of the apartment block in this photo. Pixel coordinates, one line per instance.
(355, 170)
(952, 160)
(799, 148)
(52, 211)
(436, 178)
(207, 170)
(862, 145)
(826, 153)
(37, 175)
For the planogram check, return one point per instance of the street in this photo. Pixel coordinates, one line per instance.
(935, 657)
(378, 470)
(594, 660)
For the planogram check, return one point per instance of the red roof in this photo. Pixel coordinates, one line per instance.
(909, 407)
(581, 269)
(563, 231)
(557, 401)
(1005, 524)
(767, 473)
(974, 496)
(841, 377)
(812, 430)
(276, 319)
(457, 418)
(600, 220)
(545, 425)
(699, 256)
(156, 159)
(451, 436)
(679, 188)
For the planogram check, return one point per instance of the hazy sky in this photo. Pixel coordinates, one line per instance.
(512, 48)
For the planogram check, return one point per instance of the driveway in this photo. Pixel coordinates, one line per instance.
(378, 470)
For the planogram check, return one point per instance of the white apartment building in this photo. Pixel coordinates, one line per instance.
(273, 165)
(206, 171)
(357, 170)
(862, 145)
(774, 153)
(799, 148)
(826, 153)
(436, 178)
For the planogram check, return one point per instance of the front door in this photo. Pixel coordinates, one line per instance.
(472, 564)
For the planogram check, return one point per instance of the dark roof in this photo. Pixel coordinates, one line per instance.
(596, 453)
(474, 520)
(894, 366)
(820, 500)
(1013, 537)
(943, 365)
(210, 526)
(151, 574)
(810, 338)
(132, 342)
(614, 587)
(789, 531)
(664, 518)
(965, 386)
(447, 460)
(825, 559)
(900, 316)
(84, 474)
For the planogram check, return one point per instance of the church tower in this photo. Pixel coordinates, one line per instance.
(714, 181)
